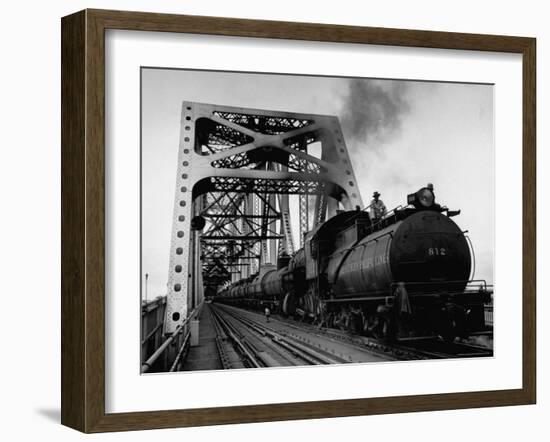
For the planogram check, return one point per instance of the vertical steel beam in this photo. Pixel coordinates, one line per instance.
(304, 217)
(272, 226)
(181, 250)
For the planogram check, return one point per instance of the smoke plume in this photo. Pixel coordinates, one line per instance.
(372, 111)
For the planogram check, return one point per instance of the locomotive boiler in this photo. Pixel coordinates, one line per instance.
(406, 275)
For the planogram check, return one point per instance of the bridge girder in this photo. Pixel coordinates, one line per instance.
(236, 169)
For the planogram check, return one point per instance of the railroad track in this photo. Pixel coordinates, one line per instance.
(318, 348)
(428, 348)
(229, 357)
(227, 331)
(438, 349)
(414, 349)
(261, 346)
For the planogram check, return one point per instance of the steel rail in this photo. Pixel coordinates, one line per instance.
(229, 330)
(381, 349)
(309, 355)
(220, 336)
(258, 356)
(446, 350)
(394, 350)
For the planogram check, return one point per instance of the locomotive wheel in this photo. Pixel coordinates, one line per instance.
(453, 322)
(341, 320)
(286, 302)
(355, 323)
(388, 331)
(329, 320)
(382, 327)
(449, 333)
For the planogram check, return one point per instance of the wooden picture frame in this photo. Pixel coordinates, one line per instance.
(83, 220)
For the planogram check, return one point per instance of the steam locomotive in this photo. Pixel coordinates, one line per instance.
(403, 276)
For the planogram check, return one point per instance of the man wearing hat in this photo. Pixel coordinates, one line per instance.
(377, 207)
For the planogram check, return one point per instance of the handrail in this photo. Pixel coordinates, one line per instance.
(473, 256)
(467, 281)
(158, 302)
(153, 358)
(149, 362)
(152, 332)
(180, 352)
(380, 294)
(374, 226)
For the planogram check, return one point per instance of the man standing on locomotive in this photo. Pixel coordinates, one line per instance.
(377, 207)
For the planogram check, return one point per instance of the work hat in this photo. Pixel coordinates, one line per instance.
(376, 193)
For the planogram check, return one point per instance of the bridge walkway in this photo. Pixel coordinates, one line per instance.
(205, 356)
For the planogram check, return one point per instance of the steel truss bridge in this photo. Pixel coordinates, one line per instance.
(236, 169)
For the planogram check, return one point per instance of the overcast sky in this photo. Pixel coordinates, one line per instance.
(400, 134)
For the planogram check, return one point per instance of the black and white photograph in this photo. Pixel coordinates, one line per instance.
(270, 221)
(295, 220)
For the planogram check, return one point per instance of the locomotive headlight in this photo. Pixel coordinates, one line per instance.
(425, 197)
